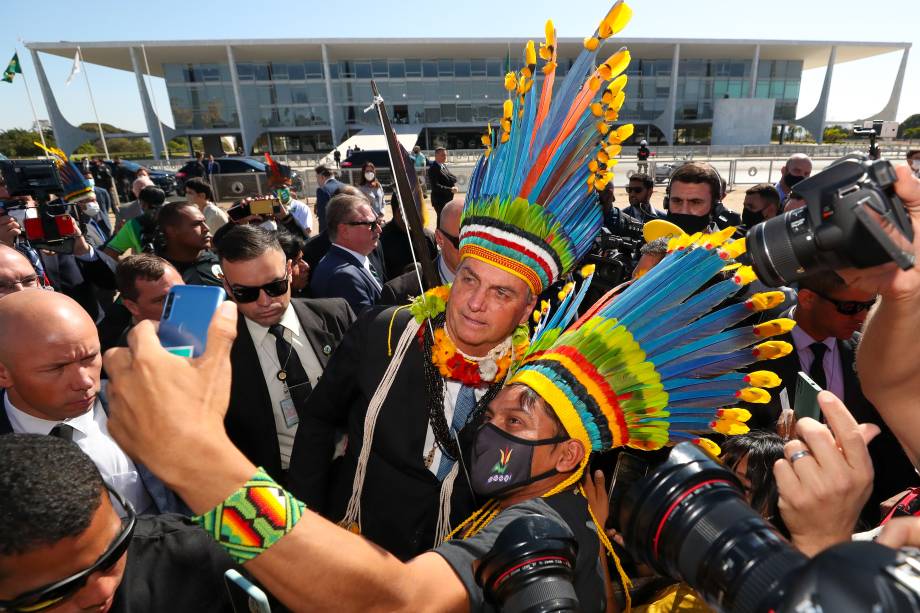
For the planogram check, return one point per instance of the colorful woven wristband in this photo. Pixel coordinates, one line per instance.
(253, 518)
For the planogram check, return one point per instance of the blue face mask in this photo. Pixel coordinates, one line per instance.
(501, 462)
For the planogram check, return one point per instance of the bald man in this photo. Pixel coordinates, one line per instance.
(50, 367)
(796, 168)
(401, 289)
(16, 273)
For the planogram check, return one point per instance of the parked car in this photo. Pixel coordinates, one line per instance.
(380, 158)
(164, 179)
(237, 166)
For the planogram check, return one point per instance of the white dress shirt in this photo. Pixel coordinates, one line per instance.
(451, 392)
(91, 434)
(302, 215)
(446, 275)
(267, 351)
(365, 262)
(833, 367)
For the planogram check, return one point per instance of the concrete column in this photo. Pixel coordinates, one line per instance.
(67, 135)
(890, 112)
(238, 98)
(755, 65)
(665, 121)
(814, 121)
(333, 120)
(150, 118)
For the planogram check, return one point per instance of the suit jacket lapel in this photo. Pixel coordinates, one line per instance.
(315, 332)
(351, 259)
(247, 358)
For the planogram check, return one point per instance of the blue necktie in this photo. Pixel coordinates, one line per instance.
(466, 402)
(26, 249)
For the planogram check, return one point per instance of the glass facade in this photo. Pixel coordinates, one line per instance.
(448, 93)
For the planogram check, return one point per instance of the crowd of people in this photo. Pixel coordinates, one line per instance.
(350, 440)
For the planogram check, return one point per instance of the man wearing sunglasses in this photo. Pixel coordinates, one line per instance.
(399, 290)
(639, 191)
(69, 543)
(345, 271)
(282, 345)
(829, 316)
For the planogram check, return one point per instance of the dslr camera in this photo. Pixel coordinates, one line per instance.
(689, 521)
(841, 226)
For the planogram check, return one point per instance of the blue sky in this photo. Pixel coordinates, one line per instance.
(860, 89)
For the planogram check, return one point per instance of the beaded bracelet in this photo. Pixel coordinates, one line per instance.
(253, 518)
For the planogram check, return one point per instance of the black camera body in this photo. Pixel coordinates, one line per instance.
(689, 521)
(841, 226)
(36, 178)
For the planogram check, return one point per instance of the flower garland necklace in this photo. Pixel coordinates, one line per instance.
(453, 363)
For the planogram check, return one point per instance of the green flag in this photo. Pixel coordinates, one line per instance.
(12, 69)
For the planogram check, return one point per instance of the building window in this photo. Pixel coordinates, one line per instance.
(313, 69)
(413, 68)
(429, 69)
(363, 70)
(397, 69)
(445, 68)
(379, 69)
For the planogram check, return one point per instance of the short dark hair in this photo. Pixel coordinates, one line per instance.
(338, 209)
(646, 180)
(170, 216)
(823, 283)
(200, 186)
(152, 196)
(911, 153)
(144, 266)
(762, 449)
(240, 243)
(699, 172)
(767, 191)
(291, 244)
(323, 171)
(50, 491)
(439, 149)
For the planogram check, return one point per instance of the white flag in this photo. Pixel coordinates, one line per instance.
(76, 67)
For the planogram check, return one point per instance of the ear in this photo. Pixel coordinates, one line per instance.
(806, 297)
(572, 453)
(132, 308)
(529, 310)
(438, 239)
(6, 377)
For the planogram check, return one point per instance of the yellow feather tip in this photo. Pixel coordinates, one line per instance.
(730, 427)
(744, 275)
(530, 54)
(625, 131)
(716, 239)
(735, 414)
(755, 395)
(771, 350)
(763, 378)
(709, 446)
(765, 300)
(510, 82)
(591, 43)
(587, 270)
(774, 327)
(616, 19)
(735, 248)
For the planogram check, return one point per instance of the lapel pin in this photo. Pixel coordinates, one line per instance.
(327, 349)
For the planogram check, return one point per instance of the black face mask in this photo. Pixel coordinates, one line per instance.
(751, 218)
(791, 180)
(501, 462)
(691, 224)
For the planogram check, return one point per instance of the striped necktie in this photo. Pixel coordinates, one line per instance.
(466, 402)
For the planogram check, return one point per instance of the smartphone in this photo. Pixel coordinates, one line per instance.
(265, 206)
(629, 469)
(187, 313)
(244, 596)
(239, 211)
(806, 398)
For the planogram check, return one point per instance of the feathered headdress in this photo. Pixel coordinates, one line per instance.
(532, 204)
(77, 188)
(658, 362)
(277, 176)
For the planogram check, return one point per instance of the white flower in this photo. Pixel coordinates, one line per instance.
(488, 368)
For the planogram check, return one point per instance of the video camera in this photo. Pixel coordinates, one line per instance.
(614, 254)
(688, 520)
(840, 227)
(53, 226)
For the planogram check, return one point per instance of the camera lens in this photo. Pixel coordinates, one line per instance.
(783, 249)
(530, 567)
(688, 520)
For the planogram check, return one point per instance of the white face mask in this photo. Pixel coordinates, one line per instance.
(92, 182)
(369, 176)
(915, 164)
(92, 209)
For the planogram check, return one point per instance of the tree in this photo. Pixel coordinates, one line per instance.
(911, 133)
(911, 123)
(835, 134)
(19, 143)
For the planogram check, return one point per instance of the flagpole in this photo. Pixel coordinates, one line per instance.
(25, 81)
(92, 101)
(154, 100)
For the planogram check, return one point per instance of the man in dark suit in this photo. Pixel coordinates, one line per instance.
(345, 271)
(399, 290)
(50, 366)
(828, 318)
(443, 182)
(281, 348)
(329, 186)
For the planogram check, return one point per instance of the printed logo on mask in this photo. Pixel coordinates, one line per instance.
(500, 470)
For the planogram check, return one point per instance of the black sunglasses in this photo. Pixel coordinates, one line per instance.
(454, 240)
(630, 190)
(370, 224)
(51, 595)
(848, 307)
(244, 293)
